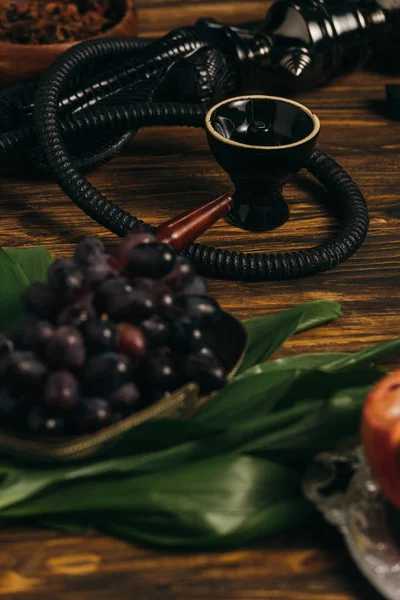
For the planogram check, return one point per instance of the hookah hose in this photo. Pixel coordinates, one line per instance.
(61, 121)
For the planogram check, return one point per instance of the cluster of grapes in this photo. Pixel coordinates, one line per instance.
(106, 336)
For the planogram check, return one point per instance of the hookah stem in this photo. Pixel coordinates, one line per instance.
(214, 262)
(56, 137)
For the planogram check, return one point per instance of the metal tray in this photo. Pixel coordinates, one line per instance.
(360, 512)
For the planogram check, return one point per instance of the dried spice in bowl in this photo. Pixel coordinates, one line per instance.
(53, 22)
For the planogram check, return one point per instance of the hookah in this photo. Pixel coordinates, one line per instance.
(94, 98)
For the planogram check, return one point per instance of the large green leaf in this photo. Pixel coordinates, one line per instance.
(19, 267)
(230, 499)
(267, 334)
(34, 262)
(177, 530)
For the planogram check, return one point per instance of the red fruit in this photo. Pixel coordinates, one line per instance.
(131, 241)
(381, 435)
(113, 262)
(131, 341)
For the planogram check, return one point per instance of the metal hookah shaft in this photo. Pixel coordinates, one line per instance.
(303, 44)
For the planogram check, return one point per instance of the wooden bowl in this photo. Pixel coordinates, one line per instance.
(19, 62)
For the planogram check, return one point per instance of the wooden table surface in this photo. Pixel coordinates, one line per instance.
(163, 173)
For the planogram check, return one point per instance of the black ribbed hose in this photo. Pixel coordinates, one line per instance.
(103, 79)
(53, 132)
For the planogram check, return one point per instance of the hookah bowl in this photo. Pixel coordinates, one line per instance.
(261, 142)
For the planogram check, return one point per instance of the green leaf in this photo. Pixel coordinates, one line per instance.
(171, 531)
(306, 362)
(227, 499)
(267, 334)
(247, 396)
(365, 358)
(330, 423)
(301, 363)
(259, 389)
(13, 284)
(18, 268)
(34, 261)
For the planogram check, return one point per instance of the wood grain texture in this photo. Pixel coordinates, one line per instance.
(164, 173)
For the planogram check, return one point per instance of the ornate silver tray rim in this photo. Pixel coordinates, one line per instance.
(361, 514)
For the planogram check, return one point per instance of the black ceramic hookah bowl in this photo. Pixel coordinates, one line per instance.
(261, 141)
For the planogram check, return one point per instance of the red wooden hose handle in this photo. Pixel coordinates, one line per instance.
(180, 231)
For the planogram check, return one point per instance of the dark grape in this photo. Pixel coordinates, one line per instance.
(66, 349)
(39, 423)
(67, 279)
(78, 313)
(89, 250)
(166, 305)
(208, 373)
(130, 241)
(41, 300)
(131, 341)
(197, 287)
(125, 400)
(25, 373)
(29, 333)
(150, 260)
(156, 331)
(203, 309)
(99, 271)
(154, 286)
(186, 335)
(163, 294)
(161, 371)
(59, 270)
(61, 392)
(118, 299)
(207, 353)
(181, 274)
(100, 336)
(106, 373)
(10, 408)
(94, 414)
(6, 345)
(112, 261)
